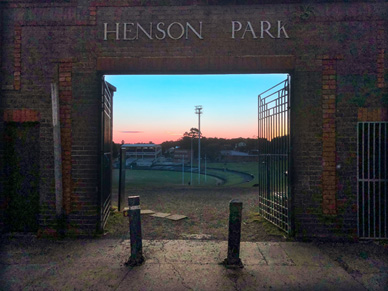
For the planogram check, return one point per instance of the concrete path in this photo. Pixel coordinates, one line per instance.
(98, 264)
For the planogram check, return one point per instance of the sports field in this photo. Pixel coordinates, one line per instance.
(218, 174)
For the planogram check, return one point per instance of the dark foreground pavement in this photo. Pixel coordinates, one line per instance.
(98, 264)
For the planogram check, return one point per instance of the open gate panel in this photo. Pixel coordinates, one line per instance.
(274, 148)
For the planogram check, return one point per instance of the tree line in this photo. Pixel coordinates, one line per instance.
(212, 146)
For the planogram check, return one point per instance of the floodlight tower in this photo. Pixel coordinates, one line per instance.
(198, 110)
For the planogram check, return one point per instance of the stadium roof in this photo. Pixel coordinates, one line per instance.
(135, 145)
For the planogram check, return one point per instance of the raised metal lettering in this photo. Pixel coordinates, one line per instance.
(265, 30)
(249, 28)
(188, 26)
(234, 27)
(161, 30)
(169, 30)
(106, 31)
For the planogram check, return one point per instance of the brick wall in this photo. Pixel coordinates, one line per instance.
(65, 113)
(329, 157)
(335, 53)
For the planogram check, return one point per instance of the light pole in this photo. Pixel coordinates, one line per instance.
(183, 169)
(198, 110)
(191, 162)
(205, 170)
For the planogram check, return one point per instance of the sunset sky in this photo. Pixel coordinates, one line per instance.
(162, 107)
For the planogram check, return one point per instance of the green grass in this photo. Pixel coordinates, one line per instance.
(154, 178)
(250, 168)
(231, 179)
(269, 228)
(143, 178)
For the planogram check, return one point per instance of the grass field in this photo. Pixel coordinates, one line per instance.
(233, 179)
(154, 178)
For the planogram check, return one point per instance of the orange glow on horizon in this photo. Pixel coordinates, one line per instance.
(159, 138)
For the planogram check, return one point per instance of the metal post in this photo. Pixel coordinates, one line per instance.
(199, 147)
(183, 169)
(121, 195)
(205, 170)
(191, 162)
(198, 110)
(268, 183)
(136, 257)
(233, 260)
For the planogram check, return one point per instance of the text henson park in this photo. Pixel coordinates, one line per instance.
(131, 31)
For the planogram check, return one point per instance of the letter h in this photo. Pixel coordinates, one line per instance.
(106, 31)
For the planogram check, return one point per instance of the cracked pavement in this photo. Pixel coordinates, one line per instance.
(99, 264)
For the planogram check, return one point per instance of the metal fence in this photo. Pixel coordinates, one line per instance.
(274, 150)
(372, 174)
(106, 152)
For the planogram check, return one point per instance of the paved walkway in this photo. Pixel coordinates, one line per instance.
(98, 264)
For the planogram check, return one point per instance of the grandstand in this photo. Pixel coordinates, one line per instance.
(143, 155)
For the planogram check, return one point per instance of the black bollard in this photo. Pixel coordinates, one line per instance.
(122, 180)
(233, 260)
(136, 257)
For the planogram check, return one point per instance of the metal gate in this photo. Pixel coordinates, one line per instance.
(274, 151)
(106, 151)
(372, 180)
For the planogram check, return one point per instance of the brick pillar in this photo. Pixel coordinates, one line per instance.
(329, 183)
(372, 114)
(17, 56)
(21, 115)
(92, 15)
(65, 99)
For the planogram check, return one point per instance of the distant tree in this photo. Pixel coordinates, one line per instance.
(212, 147)
(166, 145)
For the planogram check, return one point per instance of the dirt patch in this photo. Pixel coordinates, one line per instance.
(207, 210)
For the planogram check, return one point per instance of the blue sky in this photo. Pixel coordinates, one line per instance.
(162, 107)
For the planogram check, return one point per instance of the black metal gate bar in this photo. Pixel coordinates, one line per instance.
(274, 147)
(106, 151)
(372, 180)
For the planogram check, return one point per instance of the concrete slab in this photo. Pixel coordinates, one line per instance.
(180, 276)
(177, 276)
(367, 262)
(274, 254)
(306, 254)
(201, 252)
(192, 252)
(376, 281)
(292, 278)
(17, 277)
(250, 255)
(98, 264)
(197, 236)
(160, 214)
(176, 217)
(146, 211)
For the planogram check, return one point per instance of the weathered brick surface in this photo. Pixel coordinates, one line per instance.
(17, 57)
(381, 48)
(65, 114)
(329, 153)
(335, 53)
(21, 115)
